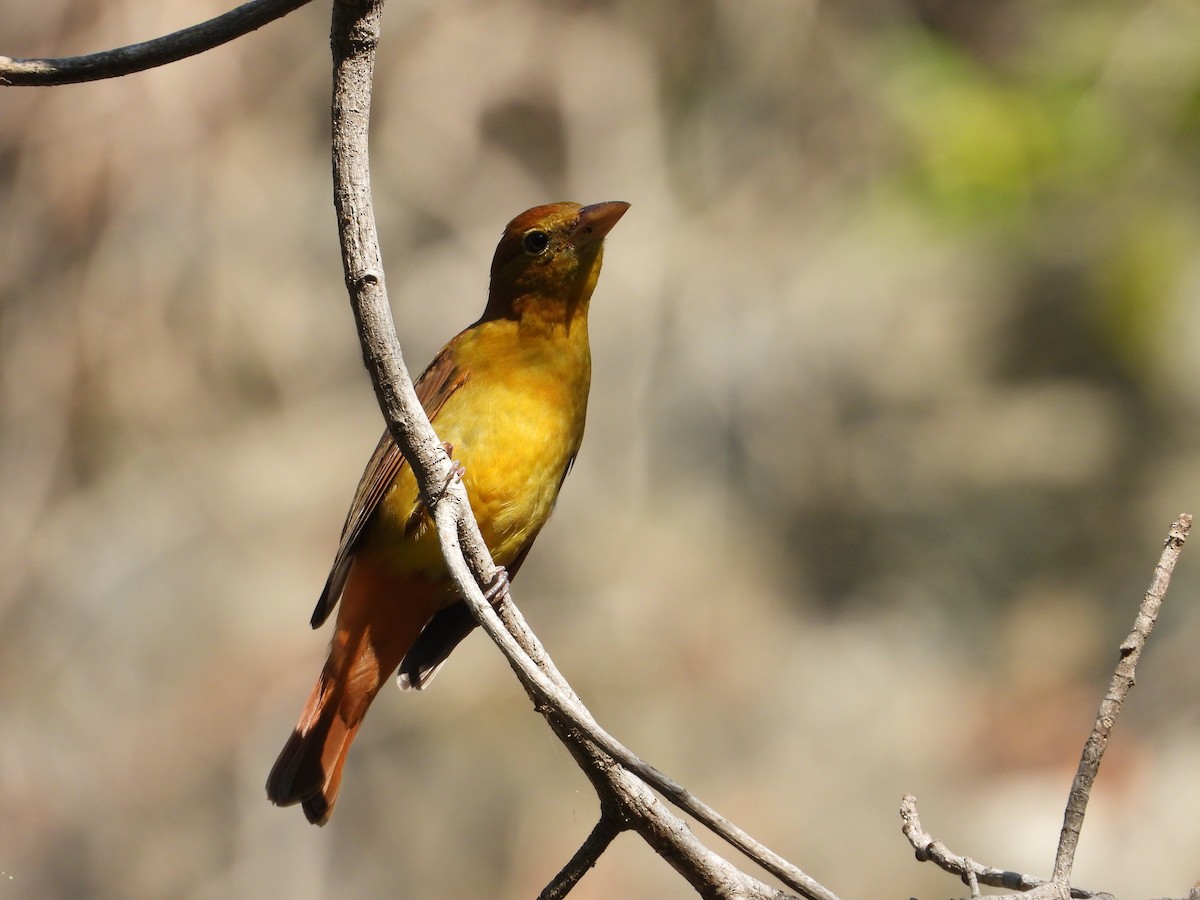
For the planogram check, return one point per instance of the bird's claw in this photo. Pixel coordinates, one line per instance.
(457, 469)
(497, 591)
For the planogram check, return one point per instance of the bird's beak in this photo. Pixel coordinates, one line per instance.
(596, 221)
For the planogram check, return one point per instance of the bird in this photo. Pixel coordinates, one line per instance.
(508, 397)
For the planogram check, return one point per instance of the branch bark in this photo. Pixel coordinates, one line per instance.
(929, 849)
(148, 54)
(1114, 700)
(588, 854)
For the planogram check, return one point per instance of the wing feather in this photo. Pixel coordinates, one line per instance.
(435, 386)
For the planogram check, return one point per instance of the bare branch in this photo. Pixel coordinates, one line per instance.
(1110, 706)
(930, 850)
(585, 857)
(605, 762)
(148, 54)
(355, 35)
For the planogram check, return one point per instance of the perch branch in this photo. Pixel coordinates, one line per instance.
(355, 36)
(148, 54)
(1118, 690)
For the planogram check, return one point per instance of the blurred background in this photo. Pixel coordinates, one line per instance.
(895, 397)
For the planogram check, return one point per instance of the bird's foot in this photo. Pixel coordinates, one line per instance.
(457, 469)
(497, 591)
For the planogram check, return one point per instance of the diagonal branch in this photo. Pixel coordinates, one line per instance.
(582, 719)
(588, 854)
(148, 54)
(626, 800)
(601, 757)
(1110, 706)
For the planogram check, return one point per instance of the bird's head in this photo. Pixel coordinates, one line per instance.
(548, 260)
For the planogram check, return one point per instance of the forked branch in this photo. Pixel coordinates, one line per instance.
(930, 850)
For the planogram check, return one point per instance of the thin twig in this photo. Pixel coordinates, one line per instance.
(16, 72)
(1110, 706)
(605, 832)
(930, 850)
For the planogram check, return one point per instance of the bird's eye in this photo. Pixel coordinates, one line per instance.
(535, 242)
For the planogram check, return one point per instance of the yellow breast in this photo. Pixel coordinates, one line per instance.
(515, 424)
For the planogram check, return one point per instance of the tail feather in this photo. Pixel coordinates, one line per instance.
(309, 768)
(371, 638)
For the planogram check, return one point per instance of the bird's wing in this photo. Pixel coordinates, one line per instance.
(435, 386)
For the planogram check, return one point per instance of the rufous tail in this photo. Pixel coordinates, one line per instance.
(375, 628)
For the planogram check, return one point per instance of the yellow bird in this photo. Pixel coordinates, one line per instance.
(509, 395)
